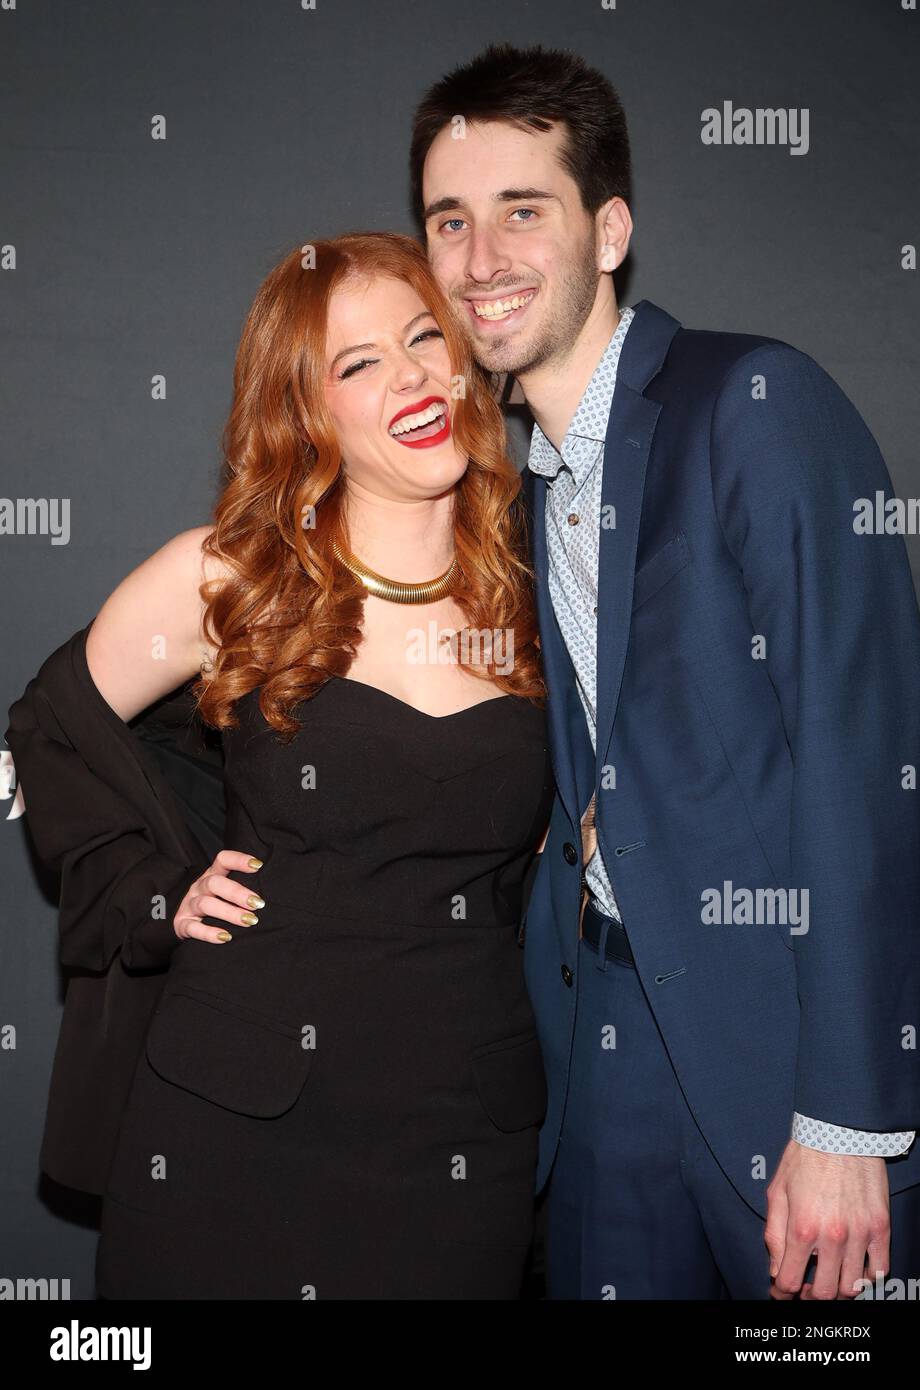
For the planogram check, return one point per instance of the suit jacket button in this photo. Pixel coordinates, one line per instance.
(567, 975)
(520, 933)
(570, 853)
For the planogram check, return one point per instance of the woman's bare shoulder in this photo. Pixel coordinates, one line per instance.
(146, 639)
(190, 555)
(204, 567)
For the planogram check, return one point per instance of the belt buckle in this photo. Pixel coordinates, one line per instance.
(616, 932)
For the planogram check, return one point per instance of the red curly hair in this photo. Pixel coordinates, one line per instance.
(285, 615)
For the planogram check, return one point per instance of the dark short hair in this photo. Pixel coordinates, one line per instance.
(530, 88)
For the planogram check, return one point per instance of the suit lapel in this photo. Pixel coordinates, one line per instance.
(570, 743)
(630, 431)
(629, 439)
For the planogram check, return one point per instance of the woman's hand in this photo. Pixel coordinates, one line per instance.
(215, 895)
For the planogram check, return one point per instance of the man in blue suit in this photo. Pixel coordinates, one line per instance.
(722, 941)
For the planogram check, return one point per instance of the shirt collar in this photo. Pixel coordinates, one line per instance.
(590, 419)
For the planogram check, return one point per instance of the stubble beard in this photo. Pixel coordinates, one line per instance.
(556, 336)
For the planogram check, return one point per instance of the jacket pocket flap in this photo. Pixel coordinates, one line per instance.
(663, 565)
(511, 1081)
(227, 1054)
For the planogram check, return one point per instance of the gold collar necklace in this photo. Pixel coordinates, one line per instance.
(395, 590)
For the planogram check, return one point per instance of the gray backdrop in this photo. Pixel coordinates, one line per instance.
(136, 257)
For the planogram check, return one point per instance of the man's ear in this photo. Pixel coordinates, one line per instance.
(613, 227)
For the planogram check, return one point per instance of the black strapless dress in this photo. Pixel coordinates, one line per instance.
(344, 1100)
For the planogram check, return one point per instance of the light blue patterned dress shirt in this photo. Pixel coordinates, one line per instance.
(574, 480)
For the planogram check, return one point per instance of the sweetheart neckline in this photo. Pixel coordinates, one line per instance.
(492, 700)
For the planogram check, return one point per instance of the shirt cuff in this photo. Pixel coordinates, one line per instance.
(837, 1139)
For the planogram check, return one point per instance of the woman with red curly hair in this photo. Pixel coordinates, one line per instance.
(342, 1085)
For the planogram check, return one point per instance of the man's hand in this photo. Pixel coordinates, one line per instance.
(834, 1205)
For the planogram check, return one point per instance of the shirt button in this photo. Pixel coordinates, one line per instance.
(573, 518)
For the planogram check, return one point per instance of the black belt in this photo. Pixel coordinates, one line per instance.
(617, 947)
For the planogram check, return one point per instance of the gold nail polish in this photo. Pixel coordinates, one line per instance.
(255, 901)
(255, 863)
(249, 919)
(224, 936)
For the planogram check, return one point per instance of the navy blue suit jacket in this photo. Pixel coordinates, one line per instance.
(758, 698)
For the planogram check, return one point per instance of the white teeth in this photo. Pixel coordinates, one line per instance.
(500, 308)
(424, 417)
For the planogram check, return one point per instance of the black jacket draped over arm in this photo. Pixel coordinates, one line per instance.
(128, 814)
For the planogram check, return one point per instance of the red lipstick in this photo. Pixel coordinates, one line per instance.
(423, 441)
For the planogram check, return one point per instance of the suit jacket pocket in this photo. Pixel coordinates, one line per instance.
(663, 565)
(227, 1053)
(511, 1081)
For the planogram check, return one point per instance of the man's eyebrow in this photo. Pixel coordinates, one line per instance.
(361, 347)
(505, 195)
